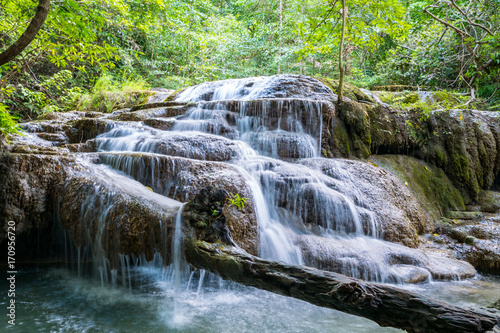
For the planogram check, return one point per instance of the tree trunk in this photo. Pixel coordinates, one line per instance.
(341, 51)
(280, 42)
(27, 37)
(384, 304)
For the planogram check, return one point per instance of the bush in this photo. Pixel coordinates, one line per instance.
(8, 123)
(31, 98)
(110, 93)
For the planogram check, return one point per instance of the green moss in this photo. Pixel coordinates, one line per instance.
(340, 140)
(406, 98)
(446, 99)
(440, 158)
(394, 88)
(355, 115)
(385, 97)
(349, 90)
(345, 142)
(411, 100)
(461, 167)
(482, 150)
(430, 184)
(173, 95)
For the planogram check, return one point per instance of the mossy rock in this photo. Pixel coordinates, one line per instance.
(407, 97)
(404, 98)
(495, 305)
(174, 95)
(156, 105)
(386, 97)
(489, 201)
(446, 98)
(431, 186)
(425, 99)
(395, 88)
(349, 90)
(462, 215)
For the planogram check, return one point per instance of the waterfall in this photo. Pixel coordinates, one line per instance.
(267, 136)
(267, 133)
(177, 251)
(274, 134)
(119, 214)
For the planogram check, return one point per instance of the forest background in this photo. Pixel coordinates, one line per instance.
(102, 54)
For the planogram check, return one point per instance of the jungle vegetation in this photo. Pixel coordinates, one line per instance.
(85, 48)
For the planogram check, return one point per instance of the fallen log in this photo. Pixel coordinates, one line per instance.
(386, 305)
(208, 245)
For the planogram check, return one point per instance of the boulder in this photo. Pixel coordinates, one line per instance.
(114, 215)
(29, 185)
(478, 242)
(489, 201)
(182, 178)
(374, 260)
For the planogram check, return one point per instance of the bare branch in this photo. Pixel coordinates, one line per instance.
(457, 30)
(470, 21)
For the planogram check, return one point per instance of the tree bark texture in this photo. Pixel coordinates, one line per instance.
(341, 51)
(387, 305)
(29, 35)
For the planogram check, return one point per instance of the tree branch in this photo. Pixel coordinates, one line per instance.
(470, 21)
(27, 37)
(384, 304)
(457, 30)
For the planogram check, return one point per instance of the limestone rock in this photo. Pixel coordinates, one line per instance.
(489, 201)
(462, 215)
(399, 215)
(278, 86)
(182, 178)
(373, 260)
(28, 186)
(115, 215)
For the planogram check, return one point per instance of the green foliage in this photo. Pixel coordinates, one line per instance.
(111, 93)
(8, 124)
(237, 200)
(50, 94)
(370, 25)
(427, 102)
(435, 54)
(178, 43)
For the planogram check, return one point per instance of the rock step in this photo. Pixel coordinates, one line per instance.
(463, 215)
(158, 105)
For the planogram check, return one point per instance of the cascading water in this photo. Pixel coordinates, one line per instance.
(273, 137)
(290, 197)
(309, 210)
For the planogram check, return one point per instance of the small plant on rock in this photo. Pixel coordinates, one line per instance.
(237, 200)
